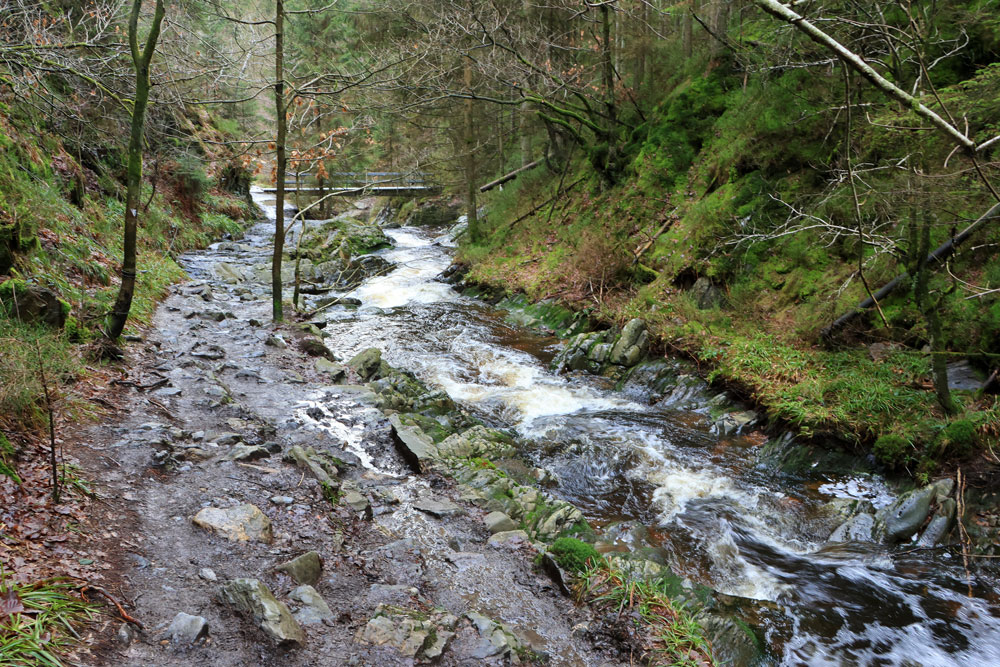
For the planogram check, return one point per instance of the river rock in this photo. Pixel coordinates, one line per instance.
(508, 536)
(358, 502)
(936, 531)
(253, 598)
(238, 524)
(943, 488)
(859, 528)
(276, 341)
(229, 273)
(908, 513)
(314, 608)
(315, 348)
(187, 629)
(498, 522)
(630, 346)
(366, 363)
(305, 569)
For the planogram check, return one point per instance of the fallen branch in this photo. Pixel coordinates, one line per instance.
(944, 251)
(509, 177)
(121, 610)
(649, 244)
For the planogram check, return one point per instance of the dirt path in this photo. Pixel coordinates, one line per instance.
(406, 542)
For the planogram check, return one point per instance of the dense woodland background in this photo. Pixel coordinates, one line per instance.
(704, 165)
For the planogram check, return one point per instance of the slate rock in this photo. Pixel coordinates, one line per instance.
(305, 569)
(186, 629)
(908, 513)
(366, 363)
(498, 522)
(314, 608)
(438, 508)
(253, 598)
(238, 524)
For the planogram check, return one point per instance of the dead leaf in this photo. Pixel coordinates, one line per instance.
(10, 604)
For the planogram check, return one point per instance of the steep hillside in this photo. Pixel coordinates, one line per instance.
(737, 233)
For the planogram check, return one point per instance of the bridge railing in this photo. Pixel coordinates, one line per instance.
(349, 179)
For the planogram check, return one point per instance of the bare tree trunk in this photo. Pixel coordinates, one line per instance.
(524, 130)
(281, 162)
(470, 159)
(141, 60)
(687, 28)
(720, 25)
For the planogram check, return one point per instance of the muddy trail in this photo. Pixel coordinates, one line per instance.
(203, 489)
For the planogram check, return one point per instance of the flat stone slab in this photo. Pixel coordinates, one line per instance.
(438, 508)
(238, 524)
(498, 522)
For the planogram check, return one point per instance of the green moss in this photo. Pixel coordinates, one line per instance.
(958, 438)
(892, 450)
(574, 555)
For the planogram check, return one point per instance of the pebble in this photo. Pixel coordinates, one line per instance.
(208, 574)
(282, 500)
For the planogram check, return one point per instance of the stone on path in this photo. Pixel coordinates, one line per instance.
(245, 452)
(305, 569)
(253, 598)
(187, 629)
(498, 522)
(314, 608)
(239, 524)
(366, 363)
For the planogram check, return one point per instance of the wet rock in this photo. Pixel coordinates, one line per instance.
(334, 371)
(962, 377)
(238, 524)
(227, 439)
(276, 341)
(859, 528)
(495, 638)
(358, 502)
(32, 304)
(305, 569)
(908, 513)
(253, 598)
(315, 348)
(415, 445)
(314, 608)
(207, 351)
(229, 273)
(438, 508)
(245, 452)
(321, 467)
(498, 522)
(366, 363)
(186, 629)
(936, 531)
(734, 422)
(943, 488)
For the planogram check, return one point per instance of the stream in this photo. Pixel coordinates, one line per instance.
(657, 478)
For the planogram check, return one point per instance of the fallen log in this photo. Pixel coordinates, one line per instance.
(509, 177)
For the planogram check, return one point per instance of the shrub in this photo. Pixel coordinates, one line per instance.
(573, 555)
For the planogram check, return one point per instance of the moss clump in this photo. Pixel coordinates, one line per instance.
(958, 437)
(573, 555)
(892, 450)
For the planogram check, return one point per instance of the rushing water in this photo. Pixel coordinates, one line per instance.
(656, 476)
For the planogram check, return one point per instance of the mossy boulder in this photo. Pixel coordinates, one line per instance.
(574, 555)
(32, 304)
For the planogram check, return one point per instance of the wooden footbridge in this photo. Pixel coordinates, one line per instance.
(356, 184)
